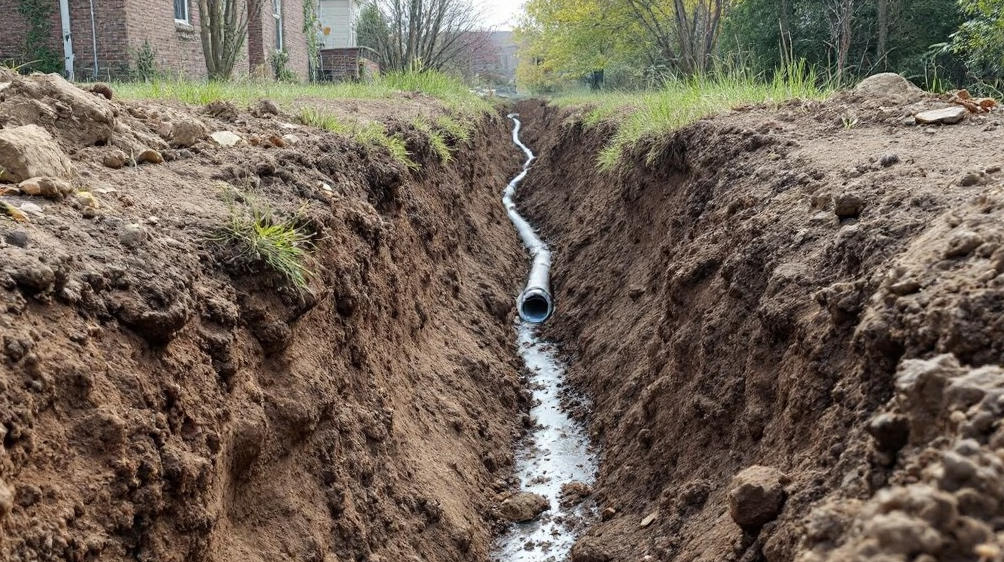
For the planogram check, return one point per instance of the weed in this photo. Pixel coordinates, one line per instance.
(144, 62)
(371, 133)
(849, 121)
(459, 129)
(436, 139)
(255, 235)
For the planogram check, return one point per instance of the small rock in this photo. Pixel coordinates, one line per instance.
(890, 431)
(970, 179)
(888, 85)
(87, 199)
(290, 139)
(756, 496)
(648, 520)
(572, 493)
(226, 138)
(114, 159)
(848, 206)
(943, 116)
(635, 292)
(48, 187)
(992, 169)
(151, 156)
(962, 244)
(930, 130)
(523, 507)
(6, 499)
(17, 238)
(29, 151)
(133, 235)
(608, 514)
(904, 287)
(187, 132)
(32, 208)
(889, 159)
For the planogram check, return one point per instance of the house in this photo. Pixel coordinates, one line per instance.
(341, 57)
(102, 39)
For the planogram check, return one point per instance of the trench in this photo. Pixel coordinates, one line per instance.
(557, 450)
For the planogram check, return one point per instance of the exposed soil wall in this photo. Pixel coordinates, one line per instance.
(757, 294)
(161, 400)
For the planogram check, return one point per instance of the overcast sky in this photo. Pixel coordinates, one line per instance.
(500, 13)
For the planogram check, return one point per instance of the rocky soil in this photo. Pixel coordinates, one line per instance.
(165, 398)
(790, 323)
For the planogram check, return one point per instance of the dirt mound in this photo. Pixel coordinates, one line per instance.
(163, 398)
(771, 291)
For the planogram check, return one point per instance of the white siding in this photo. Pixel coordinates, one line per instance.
(339, 16)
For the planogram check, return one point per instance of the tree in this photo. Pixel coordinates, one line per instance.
(223, 28)
(413, 34)
(980, 39)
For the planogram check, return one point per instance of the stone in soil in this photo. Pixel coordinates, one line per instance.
(29, 151)
(523, 507)
(574, 492)
(48, 187)
(589, 549)
(890, 86)
(943, 116)
(185, 133)
(756, 496)
(114, 159)
(848, 206)
(226, 138)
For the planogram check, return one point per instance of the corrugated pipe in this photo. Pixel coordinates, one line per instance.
(535, 304)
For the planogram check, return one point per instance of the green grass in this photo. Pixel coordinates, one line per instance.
(637, 115)
(436, 139)
(370, 133)
(254, 234)
(449, 90)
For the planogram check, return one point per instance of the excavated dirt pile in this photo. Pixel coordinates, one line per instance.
(163, 396)
(791, 324)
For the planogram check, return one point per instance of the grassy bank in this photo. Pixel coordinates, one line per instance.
(450, 91)
(681, 102)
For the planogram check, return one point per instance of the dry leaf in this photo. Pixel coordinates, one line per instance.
(13, 212)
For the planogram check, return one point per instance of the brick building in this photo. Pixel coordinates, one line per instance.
(104, 37)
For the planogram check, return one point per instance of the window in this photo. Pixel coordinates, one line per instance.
(181, 11)
(277, 14)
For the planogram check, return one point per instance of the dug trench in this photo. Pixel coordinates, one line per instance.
(164, 396)
(790, 329)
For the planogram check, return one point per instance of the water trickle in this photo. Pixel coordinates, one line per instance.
(557, 451)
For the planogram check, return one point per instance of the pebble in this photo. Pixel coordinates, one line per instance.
(226, 138)
(848, 206)
(290, 139)
(648, 520)
(17, 238)
(889, 159)
(970, 179)
(133, 235)
(114, 159)
(905, 287)
(756, 496)
(608, 514)
(150, 156)
(32, 208)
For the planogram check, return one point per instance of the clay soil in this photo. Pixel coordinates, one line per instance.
(162, 398)
(773, 287)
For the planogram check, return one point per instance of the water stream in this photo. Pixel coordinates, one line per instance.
(557, 451)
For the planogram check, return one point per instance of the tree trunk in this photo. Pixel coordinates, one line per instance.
(883, 34)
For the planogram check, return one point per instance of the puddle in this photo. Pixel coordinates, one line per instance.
(557, 450)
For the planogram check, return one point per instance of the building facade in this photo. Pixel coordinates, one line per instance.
(103, 39)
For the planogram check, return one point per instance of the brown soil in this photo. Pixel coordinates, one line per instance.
(755, 296)
(162, 400)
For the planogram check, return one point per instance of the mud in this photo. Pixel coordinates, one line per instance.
(163, 399)
(757, 289)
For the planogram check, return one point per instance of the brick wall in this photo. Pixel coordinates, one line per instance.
(123, 25)
(13, 29)
(353, 63)
(261, 38)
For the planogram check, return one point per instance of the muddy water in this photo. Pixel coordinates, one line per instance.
(557, 451)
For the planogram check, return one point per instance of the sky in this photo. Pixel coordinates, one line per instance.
(500, 13)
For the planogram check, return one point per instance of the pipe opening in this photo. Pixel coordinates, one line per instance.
(535, 306)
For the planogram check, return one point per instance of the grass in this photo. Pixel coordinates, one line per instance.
(681, 102)
(371, 133)
(436, 139)
(256, 235)
(449, 90)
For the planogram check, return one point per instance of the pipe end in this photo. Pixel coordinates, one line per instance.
(535, 306)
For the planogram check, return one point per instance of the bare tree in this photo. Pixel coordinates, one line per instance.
(686, 32)
(841, 17)
(413, 34)
(223, 28)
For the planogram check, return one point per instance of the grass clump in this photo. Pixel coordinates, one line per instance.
(681, 102)
(256, 236)
(372, 133)
(436, 139)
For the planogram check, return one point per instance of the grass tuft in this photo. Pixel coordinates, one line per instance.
(681, 102)
(436, 139)
(255, 235)
(372, 134)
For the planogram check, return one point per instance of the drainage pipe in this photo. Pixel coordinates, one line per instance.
(535, 304)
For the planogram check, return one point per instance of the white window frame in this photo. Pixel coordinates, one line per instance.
(280, 38)
(188, 15)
